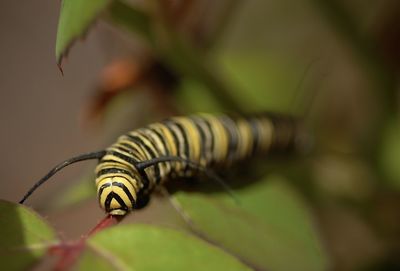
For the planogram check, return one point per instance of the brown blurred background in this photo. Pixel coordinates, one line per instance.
(40, 107)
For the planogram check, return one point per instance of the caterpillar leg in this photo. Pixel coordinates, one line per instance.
(142, 200)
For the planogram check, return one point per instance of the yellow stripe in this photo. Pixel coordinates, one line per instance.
(246, 138)
(103, 165)
(208, 134)
(220, 138)
(128, 186)
(132, 182)
(148, 144)
(168, 138)
(119, 160)
(136, 148)
(267, 133)
(193, 137)
(103, 196)
(164, 167)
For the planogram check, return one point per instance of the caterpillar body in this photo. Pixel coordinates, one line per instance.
(130, 169)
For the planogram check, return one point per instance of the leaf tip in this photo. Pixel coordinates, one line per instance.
(59, 65)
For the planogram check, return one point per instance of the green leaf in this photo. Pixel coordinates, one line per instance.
(144, 247)
(76, 16)
(25, 237)
(271, 229)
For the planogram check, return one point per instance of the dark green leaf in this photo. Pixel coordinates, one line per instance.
(25, 237)
(271, 228)
(144, 247)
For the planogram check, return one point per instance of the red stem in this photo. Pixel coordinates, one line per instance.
(70, 252)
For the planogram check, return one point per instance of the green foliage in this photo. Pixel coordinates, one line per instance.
(270, 225)
(76, 16)
(145, 247)
(24, 236)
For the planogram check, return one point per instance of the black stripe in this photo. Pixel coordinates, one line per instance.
(140, 143)
(126, 190)
(114, 170)
(202, 139)
(120, 201)
(108, 161)
(115, 196)
(127, 150)
(124, 157)
(176, 142)
(108, 202)
(185, 143)
(255, 134)
(212, 139)
(163, 141)
(102, 188)
(164, 146)
(208, 151)
(144, 178)
(161, 138)
(233, 137)
(157, 152)
(131, 151)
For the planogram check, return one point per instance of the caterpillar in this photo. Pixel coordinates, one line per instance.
(178, 147)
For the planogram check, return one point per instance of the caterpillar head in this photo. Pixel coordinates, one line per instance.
(116, 195)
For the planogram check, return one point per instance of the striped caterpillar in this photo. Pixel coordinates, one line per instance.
(130, 169)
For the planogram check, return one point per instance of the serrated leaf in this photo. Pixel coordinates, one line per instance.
(145, 247)
(76, 16)
(25, 237)
(271, 228)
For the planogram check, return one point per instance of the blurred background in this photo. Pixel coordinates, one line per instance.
(334, 64)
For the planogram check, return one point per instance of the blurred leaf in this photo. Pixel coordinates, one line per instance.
(259, 82)
(76, 16)
(390, 159)
(80, 191)
(194, 97)
(176, 53)
(132, 19)
(25, 237)
(144, 247)
(271, 228)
